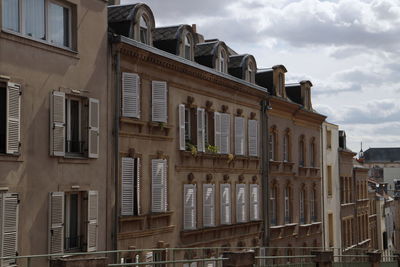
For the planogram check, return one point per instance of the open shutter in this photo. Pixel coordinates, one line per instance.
(159, 185)
(182, 143)
(240, 203)
(138, 185)
(253, 137)
(208, 205)
(57, 124)
(93, 204)
(130, 95)
(9, 228)
(127, 186)
(254, 202)
(225, 133)
(200, 130)
(189, 217)
(239, 136)
(217, 128)
(94, 120)
(56, 219)
(159, 105)
(225, 203)
(13, 126)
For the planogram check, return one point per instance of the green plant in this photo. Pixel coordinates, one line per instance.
(211, 149)
(192, 148)
(161, 125)
(230, 157)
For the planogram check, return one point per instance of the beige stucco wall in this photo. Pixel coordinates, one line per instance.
(41, 68)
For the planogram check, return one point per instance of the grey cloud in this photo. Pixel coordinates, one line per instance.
(337, 88)
(364, 76)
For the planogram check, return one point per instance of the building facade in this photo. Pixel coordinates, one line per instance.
(53, 127)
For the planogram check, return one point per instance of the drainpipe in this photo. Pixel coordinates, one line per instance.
(264, 169)
(323, 186)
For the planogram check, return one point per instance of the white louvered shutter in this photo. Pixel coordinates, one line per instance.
(159, 107)
(239, 136)
(93, 210)
(127, 186)
(241, 203)
(209, 263)
(130, 95)
(225, 133)
(225, 195)
(189, 210)
(9, 228)
(159, 185)
(217, 129)
(56, 235)
(138, 182)
(182, 141)
(57, 124)
(254, 202)
(94, 129)
(208, 205)
(253, 137)
(13, 126)
(200, 130)
(192, 264)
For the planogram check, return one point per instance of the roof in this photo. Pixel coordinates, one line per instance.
(383, 154)
(236, 61)
(120, 13)
(205, 49)
(166, 33)
(293, 92)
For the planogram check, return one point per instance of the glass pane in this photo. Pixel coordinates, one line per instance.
(73, 222)
(74, 137)
(143, 35)
(3, 120)
(59, 25)
(11, 15)
(34, 18)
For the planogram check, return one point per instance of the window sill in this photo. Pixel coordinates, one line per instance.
(10, 157)
(155, 215)
(288, 163)
(274, 163)
(73, 159)
(26, 40)
(159, 126)
(347, 204)
(131, 218)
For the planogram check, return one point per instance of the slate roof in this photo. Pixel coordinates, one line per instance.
(383, 154)
(293, 92)
(165, 33)
(205, 49)
(236, 61)
(120, 13)
(264, 78)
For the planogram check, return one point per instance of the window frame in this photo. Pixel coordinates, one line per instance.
(80, 100)
(287, 205)
(67, 218)
(274, 208)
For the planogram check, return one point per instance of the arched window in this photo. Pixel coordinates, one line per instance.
(273, 144)
(221, 61)
(143, 30)
(302, 152)
(286, 146)
(302, 206)
(250, 72)
(313, 204)
(287, 202)
(312, 153)
(272, 199)
(188, 47)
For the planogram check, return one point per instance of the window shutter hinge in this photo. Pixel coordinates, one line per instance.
(18, 201)
(20, 92)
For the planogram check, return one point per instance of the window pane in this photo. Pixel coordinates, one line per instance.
(59, 25)
(3, 108)
(11, 15)
(34, 18)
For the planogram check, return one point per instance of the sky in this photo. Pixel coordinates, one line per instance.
(348, 49)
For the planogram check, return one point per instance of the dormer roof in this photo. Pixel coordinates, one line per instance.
(169, 38)
(206, 53)
(293, 92)
(238, 64)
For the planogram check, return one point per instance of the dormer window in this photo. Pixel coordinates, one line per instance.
(144, 33)
(221, 62)
(250, 73)
(188, 48)
(281, 84)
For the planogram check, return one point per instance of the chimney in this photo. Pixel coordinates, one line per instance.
(194, 28)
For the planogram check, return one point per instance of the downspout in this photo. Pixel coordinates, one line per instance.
(323, 187)
(264, 169)
(117, 89)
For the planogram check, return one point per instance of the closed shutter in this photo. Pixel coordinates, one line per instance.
(13, 126)
(254, 202)
(225, 133)
(159, 185)
(94, 129)
(210, 264)
(253, 137)
(182, 143)
(217, 129)
(159, 107)
(241, 203)
(57, 124)
(189, 217)
(200, 130)
(93, 204)
(239, 136)
(130, 95)
(225, 203)
(9, 227)
(208, 205)
(56, 235)
(138, 182)
(127, 186)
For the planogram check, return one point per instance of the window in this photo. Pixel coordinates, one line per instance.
(188, 133)
(301, 152)
(328, 139)
(312, 153)
(208, 205)
(330, 230)
(221, 61)
(286, 146)
(188, 47)
(250, 73)
(159, 107)
(189, 209)
(329, 180)
(239, 136)
(225, 195)
(130, 95)
(9, 206)
(73, 221)
(10, 109)
(130, 186)
(74, 126)
(287, 203)
(313, 205)
(302, 207)
(159, 184)
(222, 126)
(281, 84)
(253, 137)
(45, 20)
(272, 144)
(241, 203)
(201, 130)
(143, 30)
(254, 202)
(272, 199)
